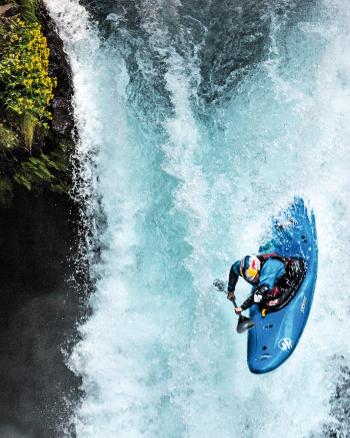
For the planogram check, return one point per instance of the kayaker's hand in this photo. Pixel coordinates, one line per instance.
(238, 310)
(231, 296)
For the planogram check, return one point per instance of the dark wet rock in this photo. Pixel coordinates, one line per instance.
(8, 10)
(39, 307)
(62, 111)
(62, 122)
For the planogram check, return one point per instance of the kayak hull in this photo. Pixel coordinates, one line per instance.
(274, 337)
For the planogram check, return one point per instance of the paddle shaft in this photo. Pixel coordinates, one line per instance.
(234, 302)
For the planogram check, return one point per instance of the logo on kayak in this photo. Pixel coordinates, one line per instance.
(285, 344)
(303, 305)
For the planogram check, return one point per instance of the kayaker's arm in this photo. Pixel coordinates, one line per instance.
(232, 280)
(256, 297)
(248, 303)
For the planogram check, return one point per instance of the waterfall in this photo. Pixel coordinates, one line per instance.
(187, 185)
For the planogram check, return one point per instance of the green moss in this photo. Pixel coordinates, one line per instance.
(28, 128)
(2, 28)
(8, 138)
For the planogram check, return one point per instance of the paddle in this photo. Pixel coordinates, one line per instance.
(244, 323)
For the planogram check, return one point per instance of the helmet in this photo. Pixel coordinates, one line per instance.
(250, 267)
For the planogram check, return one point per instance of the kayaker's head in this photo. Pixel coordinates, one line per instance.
(250, 268)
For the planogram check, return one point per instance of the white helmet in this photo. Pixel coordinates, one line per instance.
(250, 267)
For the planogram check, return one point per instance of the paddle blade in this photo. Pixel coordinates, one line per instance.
(244, 324)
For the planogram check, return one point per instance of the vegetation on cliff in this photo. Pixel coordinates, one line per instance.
(34, 149)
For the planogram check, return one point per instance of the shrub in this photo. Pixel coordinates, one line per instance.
(28, 9)
(48, 170)
(24, 72)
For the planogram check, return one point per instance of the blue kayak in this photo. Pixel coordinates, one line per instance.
(274, 337)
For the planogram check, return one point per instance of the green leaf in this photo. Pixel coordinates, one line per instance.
(22, 180)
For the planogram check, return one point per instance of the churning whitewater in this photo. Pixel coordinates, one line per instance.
(197, 123)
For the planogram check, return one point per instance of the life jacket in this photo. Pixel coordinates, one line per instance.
(287, 285)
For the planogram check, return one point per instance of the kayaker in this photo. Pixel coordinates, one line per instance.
(270, 274)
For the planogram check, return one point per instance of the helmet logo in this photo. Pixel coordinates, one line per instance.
(252, 270)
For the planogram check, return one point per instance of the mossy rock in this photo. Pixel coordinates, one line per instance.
(8, 138)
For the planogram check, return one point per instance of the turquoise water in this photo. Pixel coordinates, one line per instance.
(179, 188)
